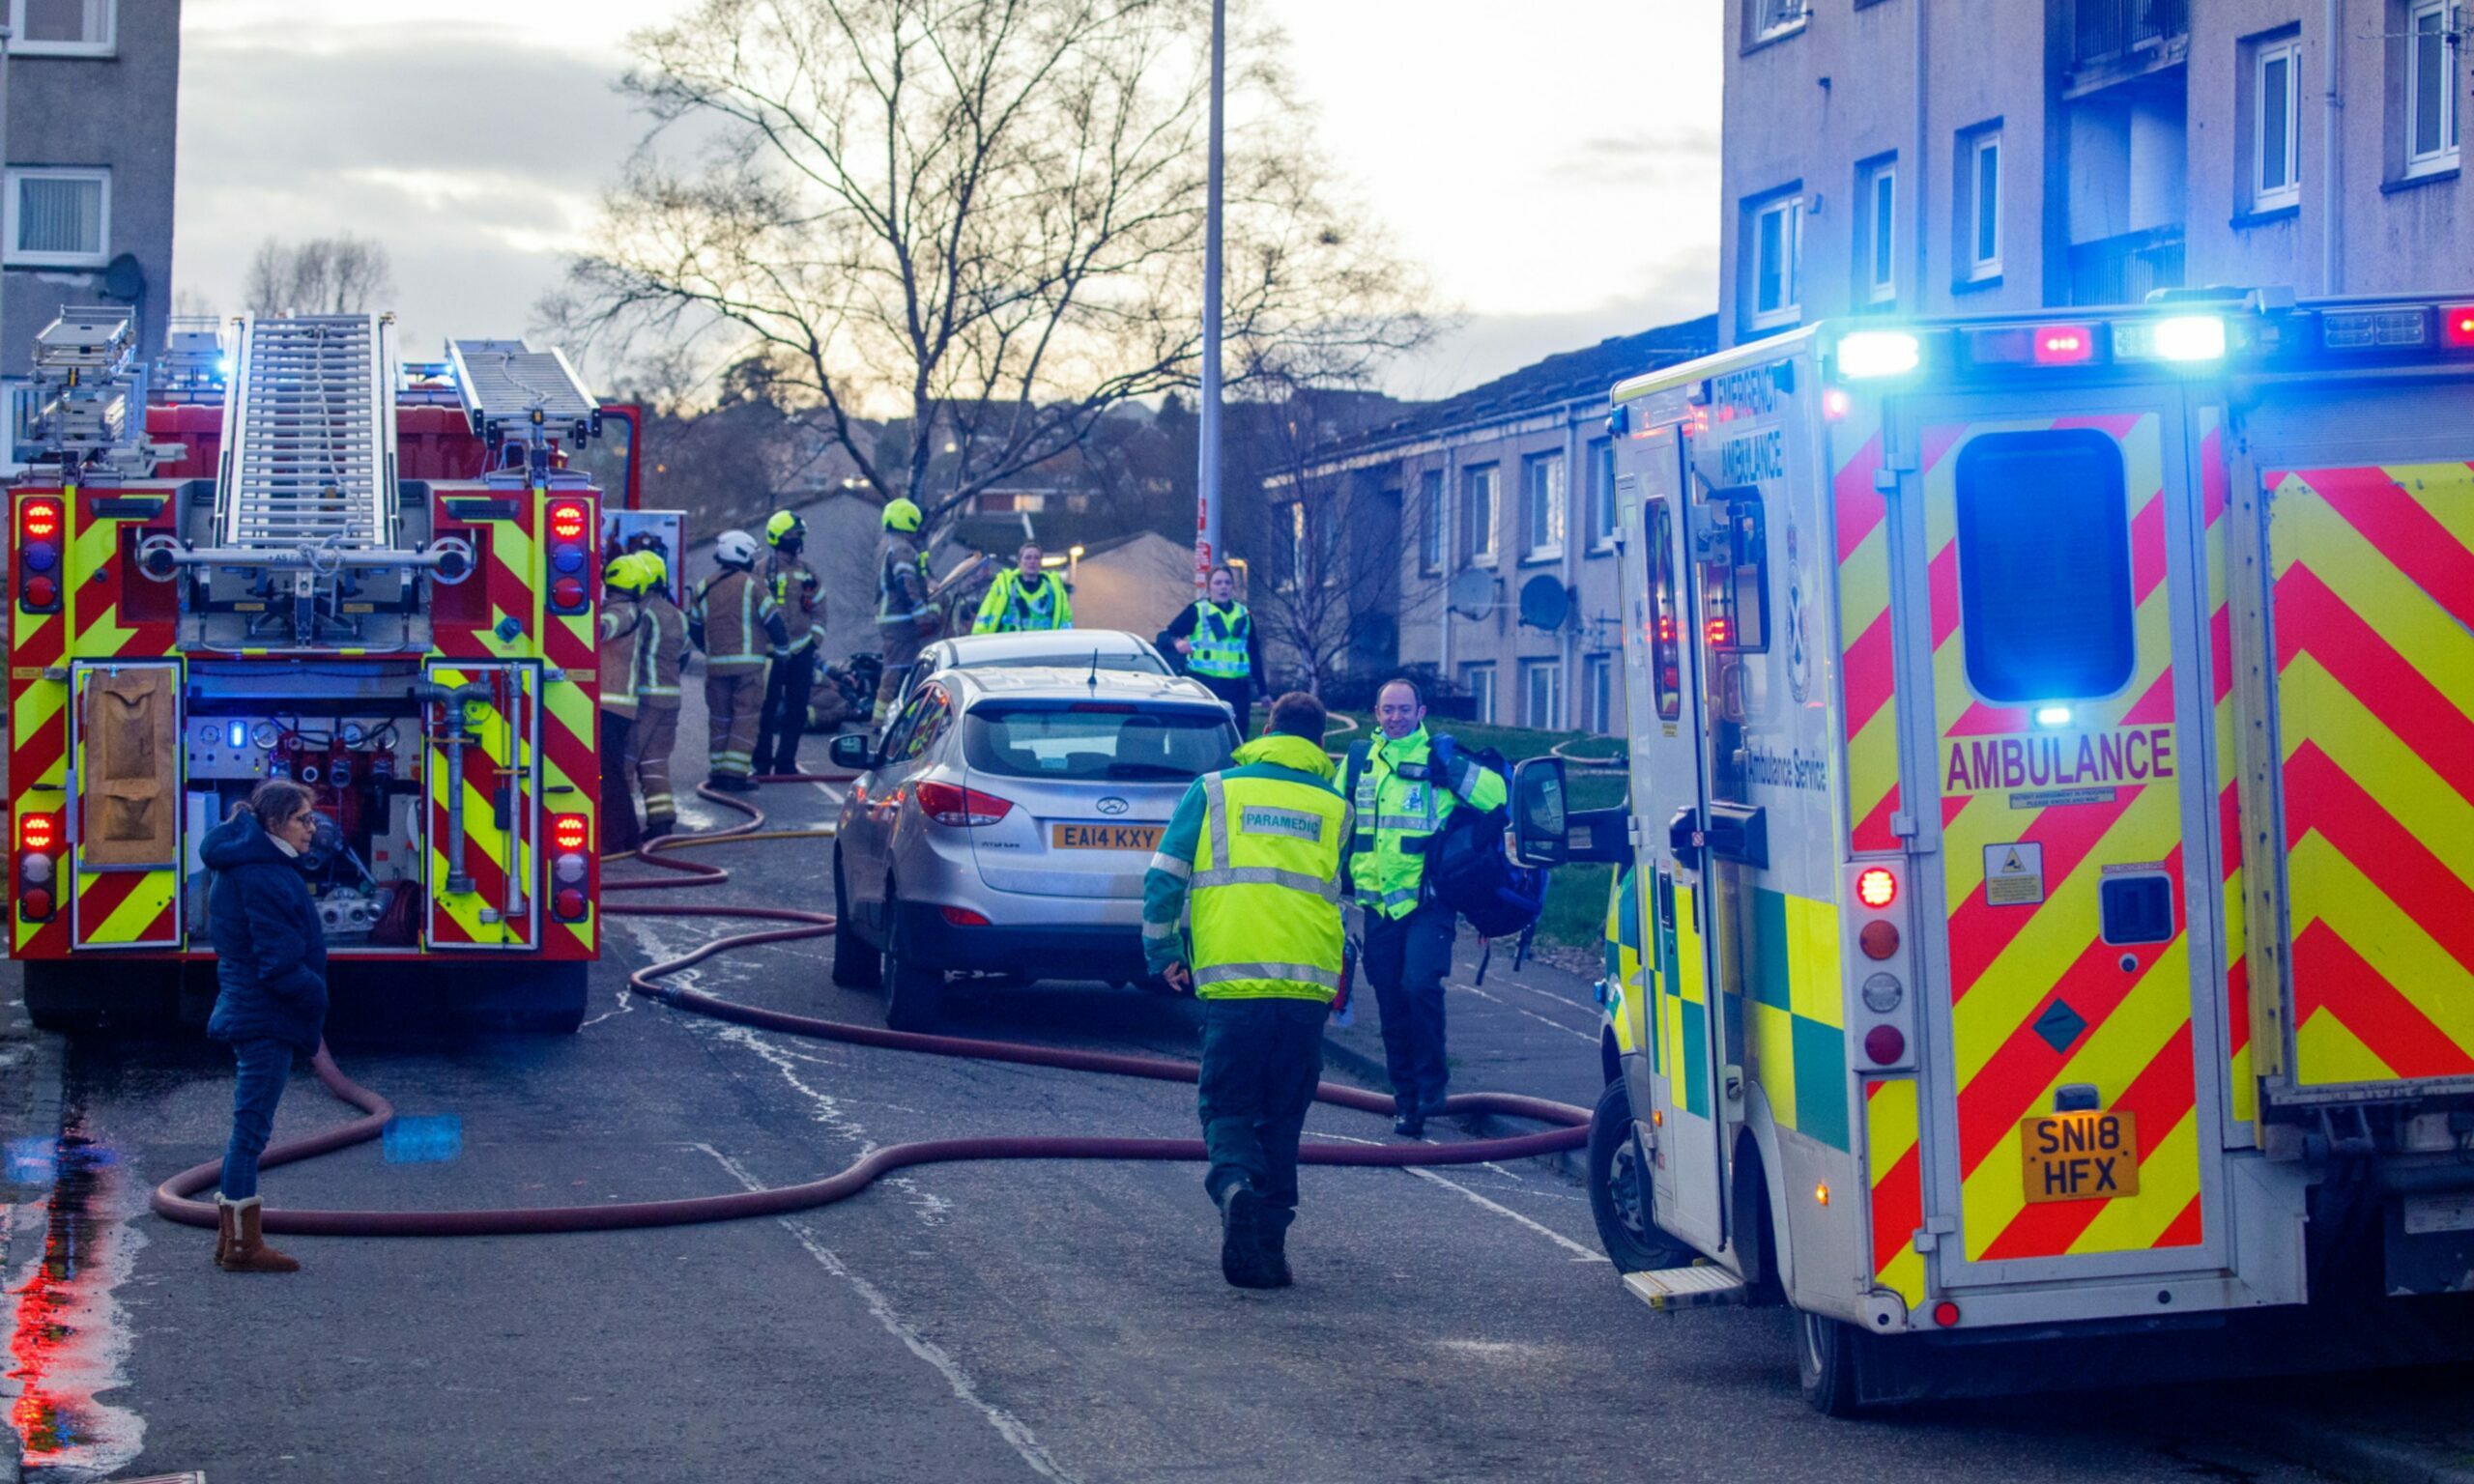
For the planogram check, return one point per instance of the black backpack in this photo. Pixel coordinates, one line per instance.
(1467, 867)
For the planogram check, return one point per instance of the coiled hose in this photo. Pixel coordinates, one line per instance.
(174, 1199)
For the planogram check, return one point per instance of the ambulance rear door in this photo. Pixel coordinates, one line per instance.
(2073, 1012)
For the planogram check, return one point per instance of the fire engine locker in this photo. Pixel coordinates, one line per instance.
(482, 793)
(124, 826)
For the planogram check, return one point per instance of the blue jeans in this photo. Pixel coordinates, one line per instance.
(265, 1066)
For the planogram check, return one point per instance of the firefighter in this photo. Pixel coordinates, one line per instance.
(661, 651)
(1216, 635)
(799, 592)
(623, 587)
(1404, 788)
(1251, 859)
(1026, 597)
(907, 616)
(737, 623)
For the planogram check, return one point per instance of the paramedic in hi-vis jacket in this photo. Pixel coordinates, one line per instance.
(907, 616)
(661, 652)
(1251, 860)
(799, 593)
(1403, 793)
(737, 625)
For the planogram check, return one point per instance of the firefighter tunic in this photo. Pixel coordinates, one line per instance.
(661, 652)
(737, 625)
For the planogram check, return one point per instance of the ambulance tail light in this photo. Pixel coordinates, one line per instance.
(571, 867)
(2457, 326)
(570, 522)
(1876, 887)
(2034, 344)
(1881, 975)
(965, 807)
(38, 546)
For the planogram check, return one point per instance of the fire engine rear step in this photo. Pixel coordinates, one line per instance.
(309, 434)
(1700, 1286)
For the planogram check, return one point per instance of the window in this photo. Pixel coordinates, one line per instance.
(1665, 638)
(1598, 694)
(1735, 574)
(60, 28)
(1478, 681)
(1060, 740)
(1478, 496)
(59, 219)
(2430, 88)
(1769, 19)
(1980, 204)
(1876, 232)
(2276, 174)
(2044, 566)
(1542, 507)
(1601, 495)
(1776, 246)
(1541, 694)
(1430, 521)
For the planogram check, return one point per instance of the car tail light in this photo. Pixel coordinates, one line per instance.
(953, 804)
(2457, 326)
(962, 917)
(1879, 940)
(1885, 1044)
(571, 835)
(1876, 887)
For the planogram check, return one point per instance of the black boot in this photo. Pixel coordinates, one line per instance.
(659, 829)
(1410, 1122)
(1275, 1227)
(1241, 1239)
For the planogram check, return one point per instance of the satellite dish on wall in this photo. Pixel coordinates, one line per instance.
(1472, 594)
(124, 277)
(1545, 603)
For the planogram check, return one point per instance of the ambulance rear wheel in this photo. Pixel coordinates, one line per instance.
(1830, 1360)
(855, 964)
(1618, 1190)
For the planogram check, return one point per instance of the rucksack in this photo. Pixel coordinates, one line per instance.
(1467, 867)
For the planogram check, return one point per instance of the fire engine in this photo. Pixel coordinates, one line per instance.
(2051, 820)
(306, 561)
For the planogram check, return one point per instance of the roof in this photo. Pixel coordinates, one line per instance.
(1033, 682)
(1049, 645)
(1558, 381)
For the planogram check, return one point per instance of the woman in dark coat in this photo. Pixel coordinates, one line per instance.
(270, 992)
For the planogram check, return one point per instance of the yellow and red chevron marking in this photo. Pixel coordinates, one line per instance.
(1866, 672)
(489, 849)
(2011, 966)
(2215, 541)
(125, 909)
(2374, 595)
(1896, 1164)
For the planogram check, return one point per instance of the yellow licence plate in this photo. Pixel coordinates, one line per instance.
(2079, 1157)
(1105, 837)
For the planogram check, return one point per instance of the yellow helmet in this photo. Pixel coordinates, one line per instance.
(656, 572)
(621, 572)
(901, 515)
(783, 526)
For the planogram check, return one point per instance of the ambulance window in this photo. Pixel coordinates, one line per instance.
(1735, 574)
(1666, 651)
(2044, 566)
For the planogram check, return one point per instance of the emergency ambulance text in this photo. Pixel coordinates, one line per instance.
(2125, 755)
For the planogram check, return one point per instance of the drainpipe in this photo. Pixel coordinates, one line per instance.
(1915, 186)
(1576, 474)
(2332, 254)
(1451, 508)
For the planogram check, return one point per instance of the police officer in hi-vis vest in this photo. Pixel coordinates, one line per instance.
(1251, 862)
(1025, 597)
(1404, 785)
(1217, 637)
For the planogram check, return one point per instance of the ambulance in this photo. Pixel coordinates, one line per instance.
(2051, 832)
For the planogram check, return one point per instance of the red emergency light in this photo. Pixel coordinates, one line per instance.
(2457, 326)
(38, 832)
(567, 519)
(40, 519)
(2065, 345)
(2034, 344)
(570, 832)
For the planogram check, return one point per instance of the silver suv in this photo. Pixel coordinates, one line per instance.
(1005, 823)
(1103, 649)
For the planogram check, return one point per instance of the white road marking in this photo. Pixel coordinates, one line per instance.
(1580, 1254)
(1017, 1436)
(1579, 1036)
(1549, 994)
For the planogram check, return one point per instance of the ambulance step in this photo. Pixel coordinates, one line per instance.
(1700, 1286)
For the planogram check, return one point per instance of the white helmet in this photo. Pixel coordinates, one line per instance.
(734, 548)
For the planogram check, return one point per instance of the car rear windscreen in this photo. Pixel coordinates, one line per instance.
(1096, 741)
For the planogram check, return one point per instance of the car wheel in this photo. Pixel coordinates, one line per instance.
(1618, 1190)
(915, 996)
(1829, 1361)
(855, 965)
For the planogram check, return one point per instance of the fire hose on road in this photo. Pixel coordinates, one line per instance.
(175, 1198)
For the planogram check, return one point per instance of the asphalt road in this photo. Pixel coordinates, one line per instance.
(957, 1322)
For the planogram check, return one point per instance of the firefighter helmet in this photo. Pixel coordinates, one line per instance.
(785, 526)
(656, 571)
(901, 515)
(735, 549)
(627, 572)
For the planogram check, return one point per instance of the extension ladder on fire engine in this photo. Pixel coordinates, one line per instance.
(309, 434)
(505, 383)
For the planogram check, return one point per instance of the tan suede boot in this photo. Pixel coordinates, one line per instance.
(224, 1222)
(249, 1252)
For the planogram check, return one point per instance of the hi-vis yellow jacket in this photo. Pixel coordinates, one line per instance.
(1252, 854)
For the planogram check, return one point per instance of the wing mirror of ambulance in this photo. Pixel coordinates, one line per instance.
(852, 749)
(1546, 831)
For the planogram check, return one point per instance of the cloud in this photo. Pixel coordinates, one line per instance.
(1486, 346)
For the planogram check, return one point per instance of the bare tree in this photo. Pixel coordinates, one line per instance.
(342, 274)
(980, 219)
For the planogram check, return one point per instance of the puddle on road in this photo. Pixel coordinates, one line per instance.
(67, 1339)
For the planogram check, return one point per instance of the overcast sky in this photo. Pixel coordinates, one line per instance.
(1552, 163)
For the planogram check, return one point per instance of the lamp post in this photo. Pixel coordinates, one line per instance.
(1207, 427)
